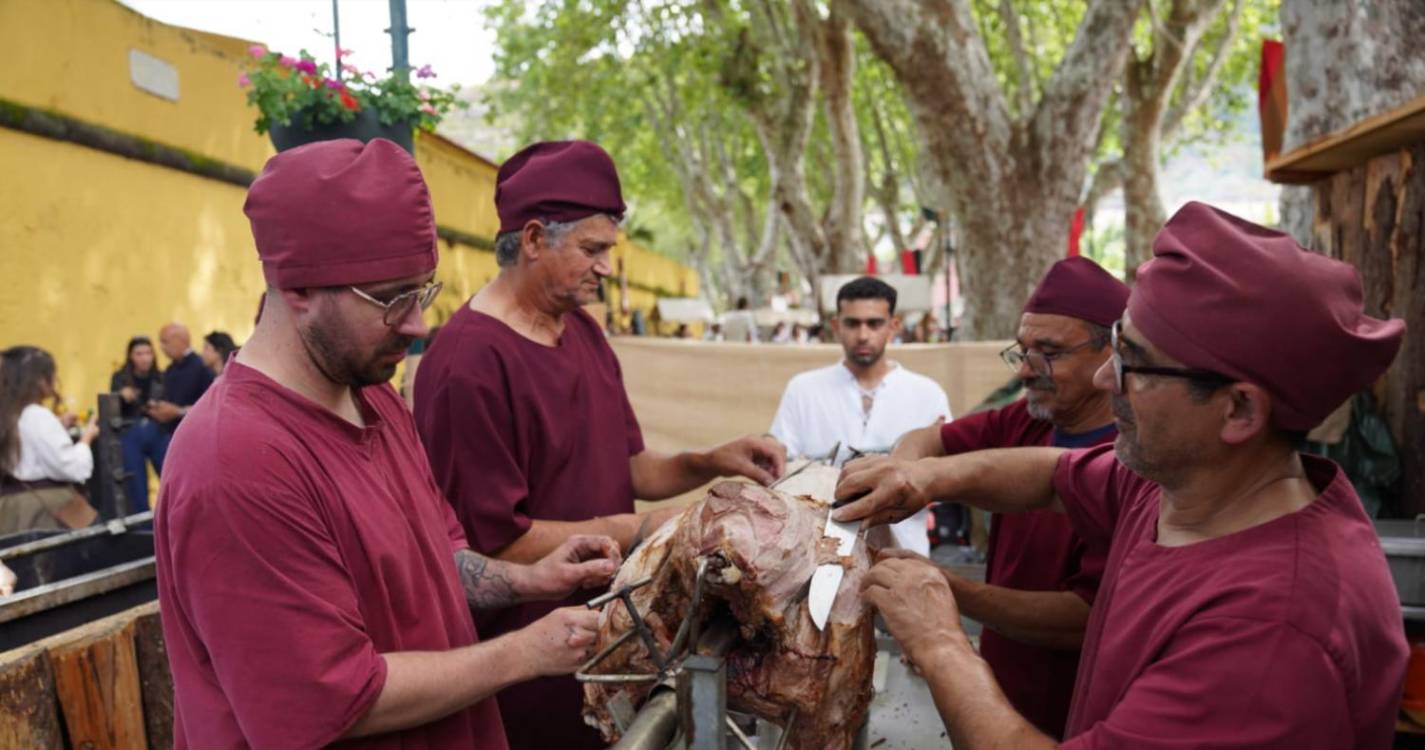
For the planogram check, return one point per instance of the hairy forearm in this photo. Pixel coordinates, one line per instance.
(658, 476)
(971, 704)
(423, 686)
(922, 443)
(1006, 480)
(1051, 619)
(544, 536)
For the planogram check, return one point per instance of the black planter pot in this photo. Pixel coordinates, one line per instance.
(365, 126)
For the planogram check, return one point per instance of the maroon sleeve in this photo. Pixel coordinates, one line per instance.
(266, 590)
(972, 432)
(1230, 683)
(473, 444)
(1093, 487)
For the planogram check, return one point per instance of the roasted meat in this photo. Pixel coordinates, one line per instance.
(761, 548)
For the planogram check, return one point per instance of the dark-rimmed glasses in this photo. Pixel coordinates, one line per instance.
(1119, 369)
(1041, 363)
(398, 307)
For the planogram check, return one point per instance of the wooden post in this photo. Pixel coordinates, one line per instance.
(29, 718)
(96, 676)
(155, 680)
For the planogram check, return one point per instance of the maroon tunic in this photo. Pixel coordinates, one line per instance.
(293, 549)
(518, 431)
(1035, 551)
(1284, 635)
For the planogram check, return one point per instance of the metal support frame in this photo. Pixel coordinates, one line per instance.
(702, 702)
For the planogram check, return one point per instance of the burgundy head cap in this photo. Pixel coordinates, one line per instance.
(1079, 288)
(557, 181)
(333, 213)
(1227, 295)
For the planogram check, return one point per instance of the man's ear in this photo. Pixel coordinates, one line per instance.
(299, 301)
(532, 240)
(1247, 413)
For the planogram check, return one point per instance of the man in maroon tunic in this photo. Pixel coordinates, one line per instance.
(315, 587)
(1246, 602)
(1040, 578)
(521, 406)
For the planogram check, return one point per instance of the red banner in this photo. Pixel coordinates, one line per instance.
(1076, 230)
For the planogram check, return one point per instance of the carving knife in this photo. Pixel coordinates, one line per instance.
(826, 581)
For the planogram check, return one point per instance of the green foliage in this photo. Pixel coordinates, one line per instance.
(283, 88)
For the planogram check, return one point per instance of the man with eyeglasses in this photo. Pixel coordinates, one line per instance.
(314, 584)
(1040, 577)
(865, 402)
(521, 407)
(1246, 602)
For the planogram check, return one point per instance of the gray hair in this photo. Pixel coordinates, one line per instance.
(507, 244)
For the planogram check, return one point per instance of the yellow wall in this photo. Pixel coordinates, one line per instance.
(95, 248)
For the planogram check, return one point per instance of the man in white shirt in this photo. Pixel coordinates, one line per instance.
(864, 402)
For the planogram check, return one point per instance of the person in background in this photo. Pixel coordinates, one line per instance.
(184, 382)
(39, 462)
(781, 333)
(865, 402)
(143, 440)
(217, 347)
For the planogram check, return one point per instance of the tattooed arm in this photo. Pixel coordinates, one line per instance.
(580, 562)
(488, 583)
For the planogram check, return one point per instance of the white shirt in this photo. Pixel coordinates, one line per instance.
(46, 450)
(823, 407)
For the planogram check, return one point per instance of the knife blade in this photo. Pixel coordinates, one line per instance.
(826, 581)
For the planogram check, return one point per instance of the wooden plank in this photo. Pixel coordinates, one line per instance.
(96, 677)
(155, 680)
(1351, 147)
(30, 718)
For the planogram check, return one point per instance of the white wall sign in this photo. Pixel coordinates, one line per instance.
(153, 75)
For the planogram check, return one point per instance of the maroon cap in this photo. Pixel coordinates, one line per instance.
(557, 181)
(1227, 295)
(341, 212)
(1079, 288)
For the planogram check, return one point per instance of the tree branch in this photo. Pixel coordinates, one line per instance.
(936, 49)
(1073, 99)
(1196, 92)
(1024, 79)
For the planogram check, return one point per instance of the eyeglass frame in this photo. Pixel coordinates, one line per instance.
(1023, 355)
(424, 297)
(1187, 373)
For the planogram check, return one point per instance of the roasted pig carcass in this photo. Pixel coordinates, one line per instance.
(760, 548)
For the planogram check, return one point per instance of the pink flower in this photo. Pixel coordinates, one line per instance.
(307, 66)
(423, 95)
(243, 80)
(257, 50)
(288, 62)
(332, 83)
(344, 52)
(428, 109)
(425, 72)
(352, 69)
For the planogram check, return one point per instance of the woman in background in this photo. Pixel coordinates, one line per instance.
(217, 347)
(139, 383)
(40, 464)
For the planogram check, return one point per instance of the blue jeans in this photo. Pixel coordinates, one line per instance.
(143, 442)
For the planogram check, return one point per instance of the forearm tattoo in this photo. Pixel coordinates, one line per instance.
(486, 582)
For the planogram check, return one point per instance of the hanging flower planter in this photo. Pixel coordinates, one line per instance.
(363, 127)
(298, 101)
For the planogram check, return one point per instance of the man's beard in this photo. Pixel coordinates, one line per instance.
(324, 342)
(1039, 387)
(866, 360)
